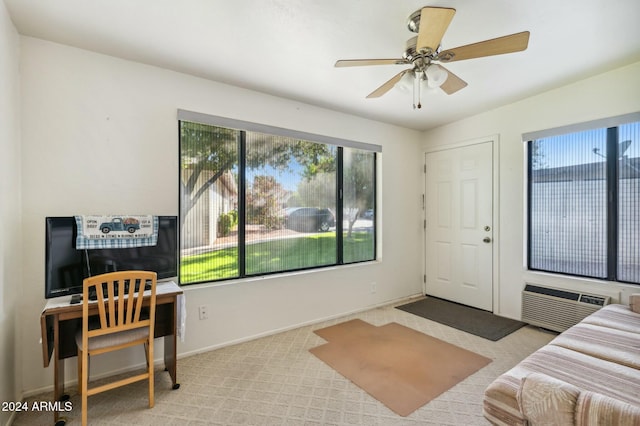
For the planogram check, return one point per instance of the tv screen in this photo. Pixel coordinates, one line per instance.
(66, 267)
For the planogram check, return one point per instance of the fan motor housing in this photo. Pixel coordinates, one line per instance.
(413, 23)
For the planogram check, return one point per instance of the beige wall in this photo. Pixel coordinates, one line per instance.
(100, 135)
(613, 93)
(10, 213)
(92, 125)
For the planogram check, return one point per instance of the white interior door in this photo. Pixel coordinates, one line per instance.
(459, 225)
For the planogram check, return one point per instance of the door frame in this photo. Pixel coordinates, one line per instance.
(495, 143)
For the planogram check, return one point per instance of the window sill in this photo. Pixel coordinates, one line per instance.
(278, 276)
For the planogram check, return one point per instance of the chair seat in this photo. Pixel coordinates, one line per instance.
(113, 339)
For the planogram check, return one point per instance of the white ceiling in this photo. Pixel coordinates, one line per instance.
(288, 47)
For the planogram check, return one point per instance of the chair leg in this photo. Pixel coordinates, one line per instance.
(149, 352)
(85, 385)
(79, 372)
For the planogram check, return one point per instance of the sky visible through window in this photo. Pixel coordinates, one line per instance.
(560, 151)
(288, 177)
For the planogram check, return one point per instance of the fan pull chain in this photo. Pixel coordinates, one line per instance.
(414, 93)
(417, 83)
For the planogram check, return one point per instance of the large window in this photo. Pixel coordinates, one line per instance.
(584, 201)
(256, 200)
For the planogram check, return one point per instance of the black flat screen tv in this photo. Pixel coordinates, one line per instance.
(66, 267)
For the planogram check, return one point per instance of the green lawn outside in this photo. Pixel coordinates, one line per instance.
(276, 255)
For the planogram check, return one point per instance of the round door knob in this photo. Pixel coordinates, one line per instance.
(486, 240)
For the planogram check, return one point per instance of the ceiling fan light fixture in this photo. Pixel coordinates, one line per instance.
(406, 83)
(436, 76)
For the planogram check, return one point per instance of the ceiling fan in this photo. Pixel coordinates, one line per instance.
(424, 55)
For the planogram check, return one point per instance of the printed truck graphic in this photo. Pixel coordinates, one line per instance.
(128, 224)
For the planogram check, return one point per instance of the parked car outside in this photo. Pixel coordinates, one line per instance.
(309, 219)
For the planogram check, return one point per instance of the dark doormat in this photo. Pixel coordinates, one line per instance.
(465, 318)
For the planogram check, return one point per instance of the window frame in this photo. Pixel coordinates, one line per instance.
(244, 127)
(611, 126)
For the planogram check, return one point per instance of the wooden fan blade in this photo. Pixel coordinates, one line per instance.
(363, 62)
(497, 46)
(387, 86)
(453, 83)
(434, 21)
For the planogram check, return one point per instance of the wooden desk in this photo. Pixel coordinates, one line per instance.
(60, 320)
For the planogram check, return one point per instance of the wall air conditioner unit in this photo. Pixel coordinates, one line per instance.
(557, 309)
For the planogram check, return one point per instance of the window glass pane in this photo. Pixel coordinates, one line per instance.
(568, 204)
(254, 203)
(290, 204)
(629, 203)
(358, 205)
(209, 198)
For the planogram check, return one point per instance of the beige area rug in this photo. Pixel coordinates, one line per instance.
(400, 367)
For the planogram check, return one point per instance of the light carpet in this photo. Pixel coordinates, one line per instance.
(275, 380)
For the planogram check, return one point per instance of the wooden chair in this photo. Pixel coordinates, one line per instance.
(121, 322)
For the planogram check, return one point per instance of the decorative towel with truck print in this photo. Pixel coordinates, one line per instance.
(116, 231)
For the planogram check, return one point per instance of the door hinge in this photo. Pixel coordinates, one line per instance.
(425, 169)
(425, 224)
(424, 278)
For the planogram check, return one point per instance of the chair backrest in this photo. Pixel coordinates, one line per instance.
(119, 302)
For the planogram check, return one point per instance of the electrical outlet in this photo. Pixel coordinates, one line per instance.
(374, 287)
(203, 312)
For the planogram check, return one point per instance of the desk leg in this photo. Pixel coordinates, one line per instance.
(170, 347)
(170, 358)
(58, 372)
